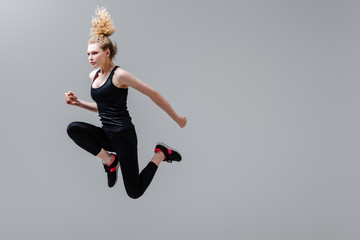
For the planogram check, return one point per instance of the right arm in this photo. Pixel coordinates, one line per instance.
(71, 99)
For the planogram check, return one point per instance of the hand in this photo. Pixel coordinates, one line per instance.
(182, 121)
(71, 98)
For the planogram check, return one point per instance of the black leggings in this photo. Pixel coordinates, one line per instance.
(124, 143)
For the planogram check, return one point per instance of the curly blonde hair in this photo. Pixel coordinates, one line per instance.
(103, 28)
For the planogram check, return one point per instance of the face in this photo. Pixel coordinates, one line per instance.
(97, 56)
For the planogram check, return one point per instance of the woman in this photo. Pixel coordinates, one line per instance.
(109, 89)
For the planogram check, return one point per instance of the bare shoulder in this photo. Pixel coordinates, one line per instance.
(120, 73)
(125, 79)
(92, 74)
(120, 78)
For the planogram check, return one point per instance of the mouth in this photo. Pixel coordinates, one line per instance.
(92, 63)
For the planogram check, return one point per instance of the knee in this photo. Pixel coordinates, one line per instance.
(133, 195)
(72, 128)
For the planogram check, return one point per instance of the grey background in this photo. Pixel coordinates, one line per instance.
(270, 151)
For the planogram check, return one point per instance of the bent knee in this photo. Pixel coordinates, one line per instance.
(133, 195)
(73, 127)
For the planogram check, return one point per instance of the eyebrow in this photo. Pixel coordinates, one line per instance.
(91, 51)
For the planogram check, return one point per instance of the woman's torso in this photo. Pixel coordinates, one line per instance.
(112, 104)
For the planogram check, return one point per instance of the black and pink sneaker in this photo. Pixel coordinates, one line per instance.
(170, 153)
(112, 171)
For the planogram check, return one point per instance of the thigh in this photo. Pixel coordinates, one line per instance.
(92, 132)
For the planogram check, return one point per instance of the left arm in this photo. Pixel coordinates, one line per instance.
(126, 78)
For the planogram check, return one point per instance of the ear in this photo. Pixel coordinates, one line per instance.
(108, 52)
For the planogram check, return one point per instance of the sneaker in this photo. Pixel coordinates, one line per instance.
(112, 171)
(170, 153)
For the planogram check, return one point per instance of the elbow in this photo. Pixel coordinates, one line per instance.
(154, 95)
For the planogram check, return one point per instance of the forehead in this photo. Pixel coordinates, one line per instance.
(93, 47)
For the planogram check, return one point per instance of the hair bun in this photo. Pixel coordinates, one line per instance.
(103, 25)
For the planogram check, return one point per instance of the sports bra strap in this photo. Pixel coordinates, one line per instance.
(112, 72)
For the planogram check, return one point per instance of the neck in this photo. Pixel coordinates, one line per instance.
(107, 67)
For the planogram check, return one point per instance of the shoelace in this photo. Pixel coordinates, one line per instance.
(167, 155)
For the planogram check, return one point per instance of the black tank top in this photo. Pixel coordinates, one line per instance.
(111, 103)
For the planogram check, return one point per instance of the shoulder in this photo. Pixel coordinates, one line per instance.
(122, 76)
(126, 79)
(92, 74)
(120, 73)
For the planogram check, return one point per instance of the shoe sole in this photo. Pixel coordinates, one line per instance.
(172, 149)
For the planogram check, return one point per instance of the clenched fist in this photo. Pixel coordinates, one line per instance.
(71, 98)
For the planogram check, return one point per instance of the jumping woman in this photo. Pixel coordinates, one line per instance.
(115, 143)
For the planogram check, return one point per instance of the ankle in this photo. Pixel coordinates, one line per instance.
(110, 159)
(160, 155)
(158, 158)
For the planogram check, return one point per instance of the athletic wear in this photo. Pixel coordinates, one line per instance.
(112, 171)
(124, 143)
(170, 153)
(117, 134)
(111, 103)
